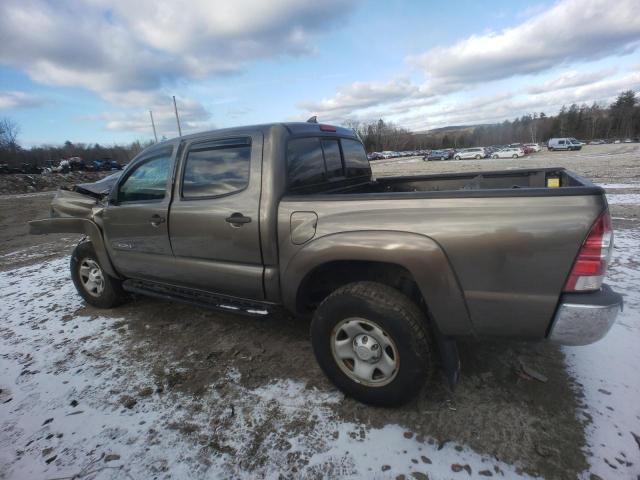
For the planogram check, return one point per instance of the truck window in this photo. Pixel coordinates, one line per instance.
(305, 164)
(215, 171)
(332, 158)
(147, 181)
(561, 142)
(355, 158)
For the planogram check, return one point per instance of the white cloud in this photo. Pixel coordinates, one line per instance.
(16, 99)
(122, 46)
(571, 31)
(571, 79)
(361, 96)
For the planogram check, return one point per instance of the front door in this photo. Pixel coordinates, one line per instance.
(135, 220)
(214, 217)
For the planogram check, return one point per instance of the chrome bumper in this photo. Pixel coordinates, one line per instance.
(584, 318)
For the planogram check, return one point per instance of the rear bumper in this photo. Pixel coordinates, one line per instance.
(584, 318)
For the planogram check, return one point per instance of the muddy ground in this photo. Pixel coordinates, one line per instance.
(160, 390)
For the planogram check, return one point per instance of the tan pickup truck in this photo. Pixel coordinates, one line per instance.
(391, 270)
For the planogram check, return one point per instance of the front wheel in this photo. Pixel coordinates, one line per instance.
(495, 156)
(478, 157)
(457, 157)
(373, 343)
(92, 282)
(514, 156)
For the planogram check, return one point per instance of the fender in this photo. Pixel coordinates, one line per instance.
(76, 225)
(419, 254)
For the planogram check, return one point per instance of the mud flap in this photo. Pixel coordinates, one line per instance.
(449, 358)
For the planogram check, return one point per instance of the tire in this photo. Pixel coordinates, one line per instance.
(514, 156)
(405, 348)
(550, 149)
(92, 283)
(478, 157)
(457, 157)
(495, 156)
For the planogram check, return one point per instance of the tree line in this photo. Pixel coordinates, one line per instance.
(621, 120)
(12, 154)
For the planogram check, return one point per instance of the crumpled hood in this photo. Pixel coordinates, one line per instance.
(100, 188)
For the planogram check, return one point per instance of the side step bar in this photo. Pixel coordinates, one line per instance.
(200, 298)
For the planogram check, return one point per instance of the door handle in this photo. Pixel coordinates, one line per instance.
(156, 220)
(237, 219)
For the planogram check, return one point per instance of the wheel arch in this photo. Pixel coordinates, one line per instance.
(398, 259)
(81, 226)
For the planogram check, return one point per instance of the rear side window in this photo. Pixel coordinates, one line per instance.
(304, 162)
(216, 170)
(355, 158)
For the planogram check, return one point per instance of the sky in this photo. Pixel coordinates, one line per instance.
(90, 70)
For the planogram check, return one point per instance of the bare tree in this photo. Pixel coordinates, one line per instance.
(9, 131)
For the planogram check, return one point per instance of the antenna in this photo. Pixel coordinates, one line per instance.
(153, 125)
(175, 108)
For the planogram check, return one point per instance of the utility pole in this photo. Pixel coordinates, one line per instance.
(154, 126)
(175, 108)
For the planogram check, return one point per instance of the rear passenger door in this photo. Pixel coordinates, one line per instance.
(214, 217)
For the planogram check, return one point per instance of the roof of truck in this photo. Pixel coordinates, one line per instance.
(294, 128)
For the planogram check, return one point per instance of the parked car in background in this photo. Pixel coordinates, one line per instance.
(440, 155)
(627, 140)
(597, 142)
(527, 149)
(467, 153)
(508, 153)
(534, 146)
(565, 143)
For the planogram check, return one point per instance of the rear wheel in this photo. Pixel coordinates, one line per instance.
(495, 156)
(478, 157)
(457, 157)
(92, 282)
(514, 155)
(373, 343)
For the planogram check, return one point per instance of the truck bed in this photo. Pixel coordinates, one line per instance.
(542, 181)
(510, 238)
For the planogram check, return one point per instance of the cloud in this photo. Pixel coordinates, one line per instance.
(499, 107)
(571, 79)
(571, 31)
(193, 117)
(358, 96)
(122, 46)
(15, 99)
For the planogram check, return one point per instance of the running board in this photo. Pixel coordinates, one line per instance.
(200, 298)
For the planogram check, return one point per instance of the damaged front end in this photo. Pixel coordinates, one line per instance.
(80, 200)
(78, 210)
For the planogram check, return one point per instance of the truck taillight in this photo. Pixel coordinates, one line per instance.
(591, 264)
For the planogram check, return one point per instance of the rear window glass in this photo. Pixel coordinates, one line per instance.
(332, 158)
(304, 162)
(216, 171)
(355, 158)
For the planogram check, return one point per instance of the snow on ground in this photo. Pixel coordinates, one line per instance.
(608, 373)
(74, 400)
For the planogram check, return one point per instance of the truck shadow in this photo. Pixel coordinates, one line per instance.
(496, 409)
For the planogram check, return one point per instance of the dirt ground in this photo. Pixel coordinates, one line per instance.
(161, 390)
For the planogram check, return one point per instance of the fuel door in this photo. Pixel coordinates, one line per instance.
(303, 226)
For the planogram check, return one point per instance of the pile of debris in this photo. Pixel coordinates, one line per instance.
(26, 183)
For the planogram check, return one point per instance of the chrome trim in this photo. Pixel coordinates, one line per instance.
(582, 324)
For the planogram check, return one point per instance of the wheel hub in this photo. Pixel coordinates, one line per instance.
(366, 348)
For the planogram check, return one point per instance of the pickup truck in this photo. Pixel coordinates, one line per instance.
(391, 271)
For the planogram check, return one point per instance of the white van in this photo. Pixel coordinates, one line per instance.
(466, 153)
(567, 143)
